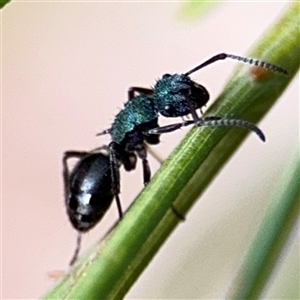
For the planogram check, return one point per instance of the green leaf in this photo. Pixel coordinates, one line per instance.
(112, 266)
(3, 3)
(195, 10)
(281, 217)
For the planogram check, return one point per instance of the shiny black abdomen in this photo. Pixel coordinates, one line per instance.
(90, 191)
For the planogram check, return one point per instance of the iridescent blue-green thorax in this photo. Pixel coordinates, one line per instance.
(137, 111)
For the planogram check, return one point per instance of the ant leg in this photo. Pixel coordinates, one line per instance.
(115, 176)
(106, 131)
(133, 91)
(193, 112)
(147, 175)
(104, 147)
(161, 161)
(77, 249)
(158, 158)
(67, 155)
(146, 171)
(142, 154)
(75, 154)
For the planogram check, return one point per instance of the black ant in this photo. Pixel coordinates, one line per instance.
(95, 180)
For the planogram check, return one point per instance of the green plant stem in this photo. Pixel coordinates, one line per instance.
(271, 238)
(112, 266)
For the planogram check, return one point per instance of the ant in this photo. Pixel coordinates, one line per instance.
(94, 182)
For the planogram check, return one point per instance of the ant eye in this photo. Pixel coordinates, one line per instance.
(166, 76)
(170, 110)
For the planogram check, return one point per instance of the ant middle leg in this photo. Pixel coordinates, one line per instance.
(115, 175)
(142, 153)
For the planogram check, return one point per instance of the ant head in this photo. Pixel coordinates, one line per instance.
(175, 95)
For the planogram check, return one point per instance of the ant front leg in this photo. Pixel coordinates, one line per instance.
(133, 91)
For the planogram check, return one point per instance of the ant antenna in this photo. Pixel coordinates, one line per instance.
(216, 122)
(251, 61)
(210, 122)
(77, 249)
